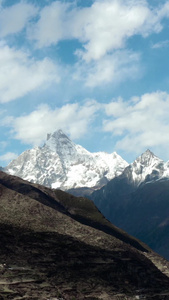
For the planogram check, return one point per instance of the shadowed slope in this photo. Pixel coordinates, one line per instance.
(79, 208)
(49, 254)
(142, 212)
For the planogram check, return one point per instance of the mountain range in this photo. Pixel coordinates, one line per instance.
(60, 163)
(134, 197)
(57, 246)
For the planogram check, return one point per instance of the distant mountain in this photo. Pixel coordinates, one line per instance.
(57, 246)
(146, 168)
(60, 163)
(138, 201)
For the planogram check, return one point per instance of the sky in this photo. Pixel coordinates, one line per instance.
(98, 70)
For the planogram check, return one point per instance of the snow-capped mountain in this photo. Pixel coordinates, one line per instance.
(60, 163)
(138, 201)
(146, 168)
(116, 194)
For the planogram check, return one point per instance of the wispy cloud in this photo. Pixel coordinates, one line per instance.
(21, 74)
(161, 44)
(140, 123)
(7, 157)
(112, 68)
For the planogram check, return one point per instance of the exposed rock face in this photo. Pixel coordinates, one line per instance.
(60, 163)
(54, 245)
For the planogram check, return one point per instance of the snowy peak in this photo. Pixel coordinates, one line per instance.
(147, 167)
(147, 154)
(58, 135)
(60, 163)
(148, 158)
(59, 142)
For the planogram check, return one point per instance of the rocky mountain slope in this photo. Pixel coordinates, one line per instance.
(138, 201)
(62, 164)
(57, 246)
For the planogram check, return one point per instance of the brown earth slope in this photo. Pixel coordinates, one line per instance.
(56, 246)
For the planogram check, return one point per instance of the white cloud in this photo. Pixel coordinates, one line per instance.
(20, 74)
(52, 26)
(140, 123)
(14, 18)
(109, 24)
(7, 157)
(161, 44)
(101, 28)
(74, 119)
(112, 68)
(163, 12)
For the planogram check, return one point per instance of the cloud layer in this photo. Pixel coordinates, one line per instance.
(101, 28)
(74, 52)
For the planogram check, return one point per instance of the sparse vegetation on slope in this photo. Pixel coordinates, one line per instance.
(56, 250)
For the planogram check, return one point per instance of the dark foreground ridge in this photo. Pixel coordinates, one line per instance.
(55, 246)
(79, 208)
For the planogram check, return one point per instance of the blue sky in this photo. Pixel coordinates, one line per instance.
(99, 70)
